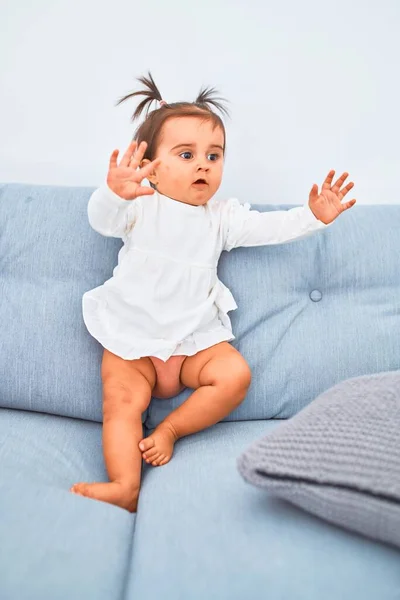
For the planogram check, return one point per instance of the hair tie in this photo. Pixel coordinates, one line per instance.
(162, 102)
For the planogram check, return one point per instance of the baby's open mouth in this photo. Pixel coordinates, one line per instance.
(200, 181)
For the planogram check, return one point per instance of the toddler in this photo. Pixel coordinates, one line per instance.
(162, 318)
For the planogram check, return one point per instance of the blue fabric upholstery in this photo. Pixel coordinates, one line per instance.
(49, 449)
(202, 532)
(56, 545)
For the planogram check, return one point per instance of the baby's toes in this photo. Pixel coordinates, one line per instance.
(150, 454)
(79, 488)
(157, 461)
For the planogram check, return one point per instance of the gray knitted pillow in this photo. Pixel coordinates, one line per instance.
(339, 457)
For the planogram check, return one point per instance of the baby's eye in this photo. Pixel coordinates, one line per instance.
(213, 157)
(185, 155)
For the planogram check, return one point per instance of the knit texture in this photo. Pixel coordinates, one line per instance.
(339, 458)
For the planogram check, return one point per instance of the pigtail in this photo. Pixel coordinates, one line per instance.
(205, 98)
(152, 93)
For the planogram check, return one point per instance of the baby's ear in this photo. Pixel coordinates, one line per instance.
(144, 162)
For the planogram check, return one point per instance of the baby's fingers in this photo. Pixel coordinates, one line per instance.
(125, 159)
(128, 155)
(145, 171)
(140, 152)
(113, 159)
(144, 190)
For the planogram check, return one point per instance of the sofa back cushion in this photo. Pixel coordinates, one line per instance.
(50, 256)
(311, 312)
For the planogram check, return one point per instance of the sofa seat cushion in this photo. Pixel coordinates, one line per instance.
(202, 532)
(56, 545)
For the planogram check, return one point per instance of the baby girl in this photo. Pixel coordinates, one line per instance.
(162, 318)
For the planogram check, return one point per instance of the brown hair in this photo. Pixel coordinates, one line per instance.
(149, 130)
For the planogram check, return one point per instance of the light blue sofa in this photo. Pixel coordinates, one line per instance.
(311, 313)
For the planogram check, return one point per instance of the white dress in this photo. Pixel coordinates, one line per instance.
(164, 297)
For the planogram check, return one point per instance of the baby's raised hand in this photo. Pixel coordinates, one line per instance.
(125, 179)
(327, 206)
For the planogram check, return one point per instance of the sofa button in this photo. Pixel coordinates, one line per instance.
(315, 295)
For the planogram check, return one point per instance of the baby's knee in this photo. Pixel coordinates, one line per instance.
(119, 397)
(242, 376)
(236, 378)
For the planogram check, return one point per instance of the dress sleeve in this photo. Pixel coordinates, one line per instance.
(246, 227)
(111, 215)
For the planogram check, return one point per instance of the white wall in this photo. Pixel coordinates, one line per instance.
(313, 85)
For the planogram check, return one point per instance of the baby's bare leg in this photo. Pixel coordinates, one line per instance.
(221, 378)
(127, 387)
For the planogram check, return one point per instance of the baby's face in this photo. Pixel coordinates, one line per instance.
(189, 149)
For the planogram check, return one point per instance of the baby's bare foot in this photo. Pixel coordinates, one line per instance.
(157, 449)
(125, 496)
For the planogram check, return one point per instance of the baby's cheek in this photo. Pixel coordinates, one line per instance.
(174, 174)
(166, 171)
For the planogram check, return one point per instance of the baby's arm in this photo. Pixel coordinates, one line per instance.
(245, 227)
(109, 214)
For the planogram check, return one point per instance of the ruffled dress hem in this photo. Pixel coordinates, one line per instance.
(94, 311)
